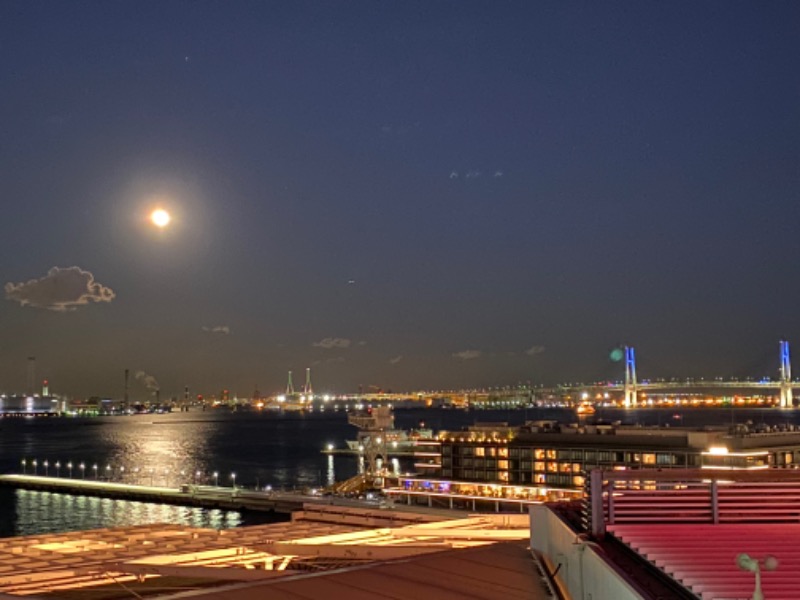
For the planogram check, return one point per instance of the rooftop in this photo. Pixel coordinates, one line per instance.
(163, 559)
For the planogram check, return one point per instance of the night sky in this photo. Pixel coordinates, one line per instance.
(407, 195)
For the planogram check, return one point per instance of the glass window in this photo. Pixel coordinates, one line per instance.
(665, 459)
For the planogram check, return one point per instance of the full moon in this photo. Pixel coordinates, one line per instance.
(160, 218)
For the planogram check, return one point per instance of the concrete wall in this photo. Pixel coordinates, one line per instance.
(584, 574)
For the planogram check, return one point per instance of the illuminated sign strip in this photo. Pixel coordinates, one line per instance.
(400, 492)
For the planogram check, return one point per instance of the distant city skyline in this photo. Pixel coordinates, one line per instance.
(419, 195)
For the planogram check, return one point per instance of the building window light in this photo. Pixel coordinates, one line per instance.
(717, 451)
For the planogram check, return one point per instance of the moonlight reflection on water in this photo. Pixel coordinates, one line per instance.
(279, 450)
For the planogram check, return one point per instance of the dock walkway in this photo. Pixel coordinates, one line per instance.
(190, 495)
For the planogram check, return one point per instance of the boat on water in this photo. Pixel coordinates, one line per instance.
(584, 409)
(399, 440)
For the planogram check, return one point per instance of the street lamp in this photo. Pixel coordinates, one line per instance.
(69, 466)
(108, 472)
(196, 477)
(94, 468)
(233, 479)
(24, 464)
(34, 467)
(216, 479)
(58, 468)
(46, 468)
(121, 473)
(746, 563)
(83, 470)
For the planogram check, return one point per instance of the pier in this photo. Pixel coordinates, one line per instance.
(205, 496)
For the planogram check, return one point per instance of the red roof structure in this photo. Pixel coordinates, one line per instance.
(695, 525)
(703, 557)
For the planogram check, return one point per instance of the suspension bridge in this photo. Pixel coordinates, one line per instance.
(632, 387)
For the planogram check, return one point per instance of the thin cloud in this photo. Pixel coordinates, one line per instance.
(534, 350)
(467, 354)
(329, 343)
(395, 360)
(328, 361)
(222, 329)
(61, 290)
(476, 174)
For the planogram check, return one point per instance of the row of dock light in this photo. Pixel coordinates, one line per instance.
(108, 473)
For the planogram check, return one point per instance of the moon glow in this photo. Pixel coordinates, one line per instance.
(160, 218)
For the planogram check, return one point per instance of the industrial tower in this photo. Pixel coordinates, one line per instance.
(31, 375)
(307, 389)
(290, 386)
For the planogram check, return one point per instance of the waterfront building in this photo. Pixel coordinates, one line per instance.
(29, 405)
(547, 460)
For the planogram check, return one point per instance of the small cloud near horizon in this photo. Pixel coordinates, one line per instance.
(395, 360)
(467, 354)
(223, 329)
(534, 350)
(61, 290)
(329, 343)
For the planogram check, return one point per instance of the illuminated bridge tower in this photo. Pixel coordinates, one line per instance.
(786, 377)
(630, 377)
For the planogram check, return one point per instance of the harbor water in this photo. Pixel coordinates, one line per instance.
(252, 449)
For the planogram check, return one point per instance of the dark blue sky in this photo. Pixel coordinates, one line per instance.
(400, 194)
